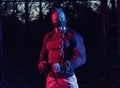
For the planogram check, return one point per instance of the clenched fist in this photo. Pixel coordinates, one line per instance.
(42, 66)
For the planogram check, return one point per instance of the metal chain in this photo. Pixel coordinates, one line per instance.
(62, 45)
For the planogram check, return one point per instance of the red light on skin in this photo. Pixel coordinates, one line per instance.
(58, 17)
(55, 17)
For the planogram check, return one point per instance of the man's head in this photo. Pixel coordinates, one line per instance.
(59, 19)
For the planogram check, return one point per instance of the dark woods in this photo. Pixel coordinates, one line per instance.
(22, 42)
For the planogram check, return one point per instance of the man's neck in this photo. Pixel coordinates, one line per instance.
(57, 30)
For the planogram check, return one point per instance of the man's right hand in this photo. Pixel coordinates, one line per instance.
(42, 66)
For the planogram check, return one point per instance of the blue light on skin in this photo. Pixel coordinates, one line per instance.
(59, 20)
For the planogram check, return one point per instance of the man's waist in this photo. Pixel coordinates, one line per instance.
(60, 75)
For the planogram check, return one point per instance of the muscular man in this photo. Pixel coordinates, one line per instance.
(63, 50)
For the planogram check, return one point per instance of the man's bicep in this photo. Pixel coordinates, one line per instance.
(43, 49)
(80, 47)
(79, 52)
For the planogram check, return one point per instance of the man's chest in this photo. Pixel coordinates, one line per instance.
(58, 41)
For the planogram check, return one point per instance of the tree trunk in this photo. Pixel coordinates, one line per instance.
(1, 54)
(40, 12)
(103, 13)
(118, 17)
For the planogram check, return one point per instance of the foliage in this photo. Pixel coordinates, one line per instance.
(37, 7)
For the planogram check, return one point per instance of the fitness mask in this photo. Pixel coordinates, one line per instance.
(59, 19)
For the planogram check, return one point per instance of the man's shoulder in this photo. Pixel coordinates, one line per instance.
(47, 35)
(76, 34)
